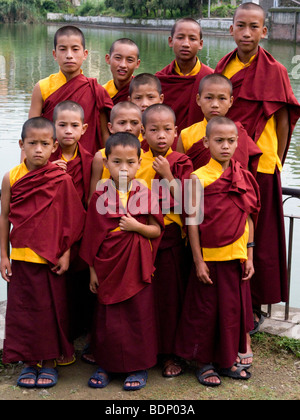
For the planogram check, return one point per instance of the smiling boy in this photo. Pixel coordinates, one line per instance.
(70, 84)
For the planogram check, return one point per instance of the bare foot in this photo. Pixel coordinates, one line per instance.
(171, 368)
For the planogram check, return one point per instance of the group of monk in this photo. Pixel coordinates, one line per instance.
(96, 238)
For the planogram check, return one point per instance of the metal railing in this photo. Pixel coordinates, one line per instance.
(289, 193)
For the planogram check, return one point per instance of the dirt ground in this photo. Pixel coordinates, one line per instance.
(275, 376)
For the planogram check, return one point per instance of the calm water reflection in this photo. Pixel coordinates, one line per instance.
(26, 57)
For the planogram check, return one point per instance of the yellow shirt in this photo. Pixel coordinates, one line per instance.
(238, 249)
(111, 89)
(194, 71)
(267, 142)
(52, 83)
(23, 254)
(192, 134)
(72, 158)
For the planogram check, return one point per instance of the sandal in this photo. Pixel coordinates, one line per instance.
(258, 323)
(202, 376)
(87, 351)
(60, 362)
(100, 376)
(235, 374)
(28, 372)
(167, 364)
(47, 373)
(140, 376)
(244, 357)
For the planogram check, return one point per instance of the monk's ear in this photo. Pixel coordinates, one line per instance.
(231, 30)
(84, 128)
(109, 126)
(206, 142)
(198, 99)
(104, 159)
(161, 98)
(21, 144)
(231, 101)
(55, 146)
(107, 58)
(170, 42)
(264, 32)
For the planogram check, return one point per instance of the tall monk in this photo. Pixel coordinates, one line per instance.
(215, 99)
(180, 79)
(120, 241)
(217, 310)
(70, 84)
(266, 106)
(39, 200)
(165, 172)
(123, 59)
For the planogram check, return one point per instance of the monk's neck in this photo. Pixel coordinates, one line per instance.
(69, 152)
(246, 57)
(119, 85)
(70, 76)
(186, 66)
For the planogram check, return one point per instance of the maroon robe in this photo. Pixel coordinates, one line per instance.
(121, 95)
(92, 97)
(247, 153)
(124, 332)
(215, 318)
(48, 217)
(180, 94)
(259, 91)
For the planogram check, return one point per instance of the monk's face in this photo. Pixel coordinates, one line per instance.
(38, 147)
(123, 62)
(186, 41)
(160, 131)
(126, 120)
(215, 99)
(70, 54)
(222, 143)
(247, 30)
(69, 128)
(122, 163)
(146, 95)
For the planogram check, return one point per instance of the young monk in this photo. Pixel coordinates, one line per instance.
(215, 99)
(124, 117)
(180, 79)
(266, 106)
(120, 241)
(216, 309)
(40, 202)
(70, 84)
(171, 168)
(123, 59)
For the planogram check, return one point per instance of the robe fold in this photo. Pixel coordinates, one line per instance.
(92, 97)
(227, 203)
(180, 94)
(247, 153)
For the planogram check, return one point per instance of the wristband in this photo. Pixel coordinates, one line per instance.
(250, 244)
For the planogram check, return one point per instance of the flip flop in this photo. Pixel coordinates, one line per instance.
(140, 376)
(99, 375)
(257, 324)
(202, 376)
(243, 357)
(47, 373)
(28, 372)
(235, 374)
(66, 363)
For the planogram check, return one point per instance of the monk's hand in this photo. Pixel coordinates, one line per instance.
(62, 264)
(202, 272)
(249, 270)
(5, 268)
(128, 223)
(162, 167)
(61, 164)
(93, 281)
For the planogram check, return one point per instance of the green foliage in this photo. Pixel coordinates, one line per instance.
(90, 8)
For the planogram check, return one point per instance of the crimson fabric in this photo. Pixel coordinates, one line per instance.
(215, 317)
(180, 94)
(270, 284)
(247, 153)
(79, 170)
(227, 203)
(37, 315)
(121, 95)
(46, 212)
(259, 91)
(123, 260)
(92, 97)
(124, 336)
(169, 283)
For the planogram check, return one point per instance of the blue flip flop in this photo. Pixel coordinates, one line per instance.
(99, 375)
(28, 372)
(47, 373)
(140, 376)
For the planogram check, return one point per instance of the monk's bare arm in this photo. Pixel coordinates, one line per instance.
(37, 102)
(151, 230)
(179, 146)
(97, 169)
(4, 228)
(282, 130)
(103, 125)
(249, 266)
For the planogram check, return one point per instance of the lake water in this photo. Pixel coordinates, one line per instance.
(26, 57)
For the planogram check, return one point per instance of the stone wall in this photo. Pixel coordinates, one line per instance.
(284, 24)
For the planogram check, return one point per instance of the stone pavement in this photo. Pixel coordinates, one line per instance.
(274, 325)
